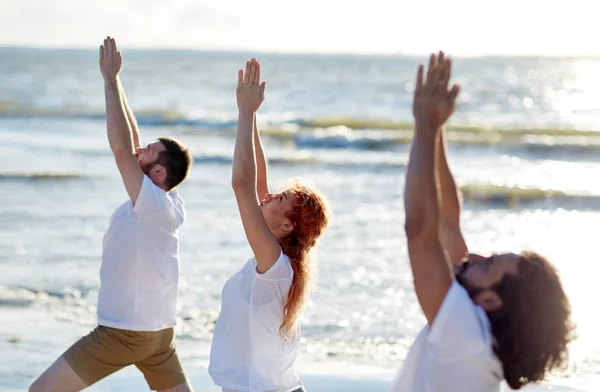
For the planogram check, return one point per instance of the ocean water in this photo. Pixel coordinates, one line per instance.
(523, 148)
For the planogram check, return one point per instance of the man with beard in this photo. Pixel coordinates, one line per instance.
(140, 260)
(505, 316)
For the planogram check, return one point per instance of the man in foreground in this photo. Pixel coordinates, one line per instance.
(505, 316)
(140, 260)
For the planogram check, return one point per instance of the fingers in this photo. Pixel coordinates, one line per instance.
(441, 57)
(240, 77)
(251, 75)
(101, 54)
(113, 46)
(446, 71)
(430, 70)
(453, 94)
(105, 46)
(253, 71)
(263, 85)
(108, 49)
(439, 71)
(419, 78)
(439, 68)
(257, 75)
(247, 73)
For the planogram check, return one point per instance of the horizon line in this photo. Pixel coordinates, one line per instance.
(304, 53)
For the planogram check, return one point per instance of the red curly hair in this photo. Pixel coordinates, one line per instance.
(310, 216)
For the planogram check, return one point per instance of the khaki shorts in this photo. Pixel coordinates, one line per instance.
(106, 350)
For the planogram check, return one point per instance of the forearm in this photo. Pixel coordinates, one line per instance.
(117, 125)
(421, 200)
(244, 164)
(262, 185)
(451, 235)
(131, 118)
(449, 193)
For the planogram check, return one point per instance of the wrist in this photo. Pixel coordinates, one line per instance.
(427, 130)
(112, 82)
(427, 121)
(246, 113)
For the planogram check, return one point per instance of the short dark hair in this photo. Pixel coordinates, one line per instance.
(533, 327)
(176, 159)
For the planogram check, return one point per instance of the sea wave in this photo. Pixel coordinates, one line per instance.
(341, 137)
(512, 195)
(69, 306)
(48, 176)
(197, 324)
(346, 132)
(312, 159)
(160, 117)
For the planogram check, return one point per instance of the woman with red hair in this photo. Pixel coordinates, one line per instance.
(256, 336)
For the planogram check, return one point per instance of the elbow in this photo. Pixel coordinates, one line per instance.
(236, 183)
(420, 225)
(239, 183)
(119, 148)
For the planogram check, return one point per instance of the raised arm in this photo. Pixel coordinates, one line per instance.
(118, 128)
(433, 104)
(250, 94)
(262, 184)
(450, 234)
(133, 125)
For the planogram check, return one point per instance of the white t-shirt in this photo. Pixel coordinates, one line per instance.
(248, 352)
(455, 354)
(139, 275)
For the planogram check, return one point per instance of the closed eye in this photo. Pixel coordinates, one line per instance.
(280, 197)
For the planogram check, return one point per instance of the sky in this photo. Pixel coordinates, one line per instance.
(460, 27)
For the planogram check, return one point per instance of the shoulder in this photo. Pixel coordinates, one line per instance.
(174, 195)
(281, 270)
(460, 327)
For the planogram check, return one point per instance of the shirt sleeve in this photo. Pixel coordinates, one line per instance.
(274, 285)
(153, 201)
(282, 269)
(459, 328)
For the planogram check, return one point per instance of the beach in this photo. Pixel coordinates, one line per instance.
(33, 354)
(523, 153)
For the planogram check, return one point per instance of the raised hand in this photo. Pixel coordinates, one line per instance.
(433, 102)
(111, 60)
(250, 92)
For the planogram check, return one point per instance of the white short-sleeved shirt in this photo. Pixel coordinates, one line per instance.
(248, 352)
(139, 275)
(455, 354)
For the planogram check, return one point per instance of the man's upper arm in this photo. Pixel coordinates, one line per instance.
(131, 172)
(453, 241)
(431, 271)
